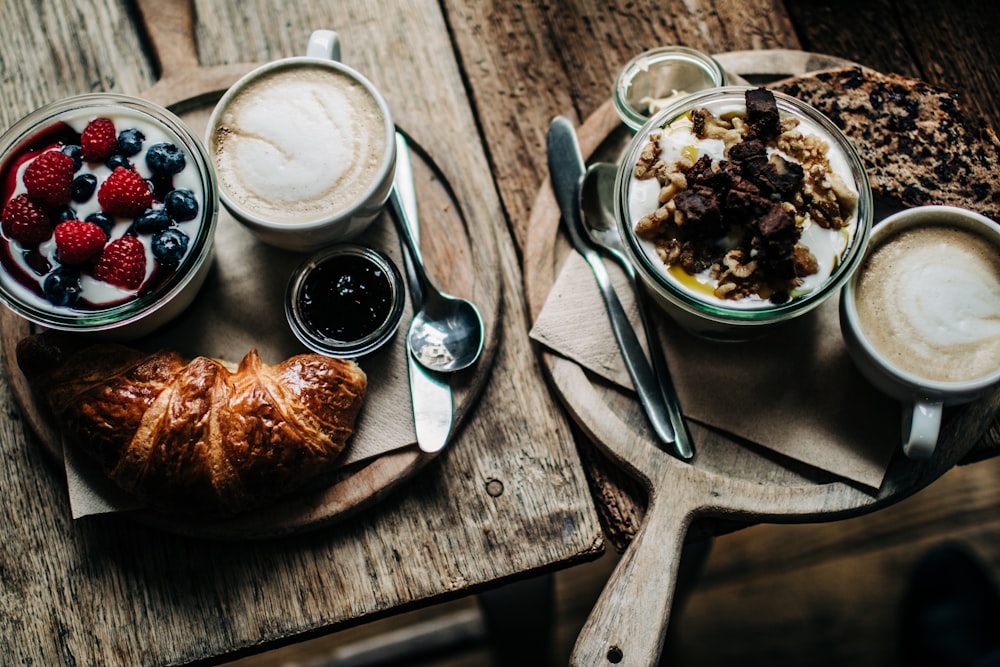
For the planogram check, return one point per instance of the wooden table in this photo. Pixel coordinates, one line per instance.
(478, 82)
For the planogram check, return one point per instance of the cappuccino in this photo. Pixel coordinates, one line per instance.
(928, 300)
(299, 143)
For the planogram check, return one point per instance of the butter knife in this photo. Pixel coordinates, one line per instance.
(433, 406)
(566, 171)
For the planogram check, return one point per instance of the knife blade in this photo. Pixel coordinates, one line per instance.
(566, 171)
(433, 404)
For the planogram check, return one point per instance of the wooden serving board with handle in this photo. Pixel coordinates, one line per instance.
(728, 479)
(191, 90)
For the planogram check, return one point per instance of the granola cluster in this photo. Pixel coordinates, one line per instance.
(741, 217)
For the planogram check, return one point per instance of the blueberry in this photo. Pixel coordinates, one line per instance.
(75, 152)
(62, 287)
(181, 204)
(152, 220)
(165, 158)
(169, 246)
(83, 187)
(62, 214)
(130, 141)
(118, 160)
(103, 221)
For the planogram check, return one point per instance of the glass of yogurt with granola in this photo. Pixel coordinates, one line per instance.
(109, 208)
(741, 208)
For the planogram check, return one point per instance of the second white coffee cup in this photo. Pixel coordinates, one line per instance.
(304, 149)
(921, 316)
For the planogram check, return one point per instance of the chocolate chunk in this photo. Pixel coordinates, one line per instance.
(745, 150)
(783, 176)
(742, 205)
(702, 174)
(762, 114)
(773, 175)
(775, 237)
(702, 213)
(776, 225)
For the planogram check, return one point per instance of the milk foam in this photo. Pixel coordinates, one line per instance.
(299, 144)
(929, 300)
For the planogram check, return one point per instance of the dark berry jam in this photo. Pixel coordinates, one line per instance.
(346, 298)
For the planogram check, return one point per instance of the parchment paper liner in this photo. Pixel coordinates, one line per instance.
(795, 391)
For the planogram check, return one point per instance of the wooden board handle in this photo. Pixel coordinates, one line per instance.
(169, 24)
(629, 621)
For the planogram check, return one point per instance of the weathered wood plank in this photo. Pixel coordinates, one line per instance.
(527, 62)
(50, 50)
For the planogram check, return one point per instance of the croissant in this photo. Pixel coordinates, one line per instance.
(194, 437)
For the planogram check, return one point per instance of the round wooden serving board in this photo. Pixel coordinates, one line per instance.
(727, 479)
(453, 239)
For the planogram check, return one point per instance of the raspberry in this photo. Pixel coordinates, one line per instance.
(49, 178)
(99, 139)
(26, 222)
(124, 193)
(79, 242)
(123, 263)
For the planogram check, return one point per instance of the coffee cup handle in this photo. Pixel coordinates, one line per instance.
(921, 425)
(324, 44)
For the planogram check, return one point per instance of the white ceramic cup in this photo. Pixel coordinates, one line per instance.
(304, 148)
(955, 304)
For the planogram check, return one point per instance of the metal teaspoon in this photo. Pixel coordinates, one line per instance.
(447, 334)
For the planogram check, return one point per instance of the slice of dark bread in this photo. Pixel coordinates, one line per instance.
(918, 144)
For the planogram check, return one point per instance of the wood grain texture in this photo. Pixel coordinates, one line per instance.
(109, 591)
(951, 44)
(528, 62)
(48, 53)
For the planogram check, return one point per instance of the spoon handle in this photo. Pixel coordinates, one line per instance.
(403, 201)
(422, 285)
(566, 173)
(682, 437)
(433, 404)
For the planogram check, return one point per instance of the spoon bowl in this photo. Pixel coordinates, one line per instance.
(596, 200)
(447, 334)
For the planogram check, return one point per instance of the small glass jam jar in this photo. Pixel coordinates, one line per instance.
(654, 78)
(345, 301)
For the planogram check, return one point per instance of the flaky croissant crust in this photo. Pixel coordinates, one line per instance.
(194, 436)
